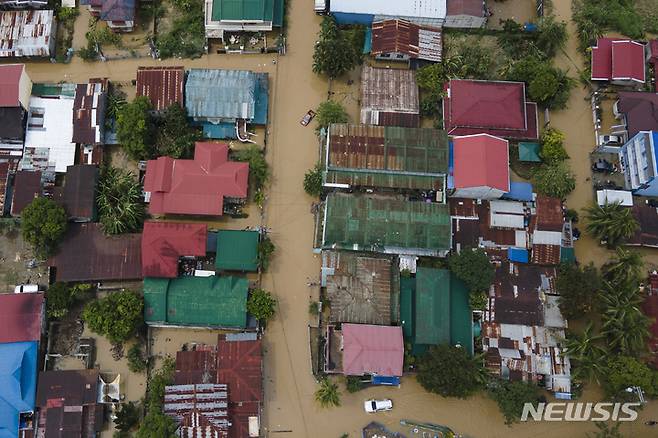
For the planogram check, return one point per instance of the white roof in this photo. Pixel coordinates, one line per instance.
(393, 8)
(547, 238)
(624, 197)
(506, 214)
(513, 207)
(56, 133)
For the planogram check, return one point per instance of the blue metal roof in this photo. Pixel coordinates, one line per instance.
(519, 191)
(385, 380)
(18, 380)
(518, 255)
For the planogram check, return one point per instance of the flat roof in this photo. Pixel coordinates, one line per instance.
(392, 8)
(237, 250)
(432, 306)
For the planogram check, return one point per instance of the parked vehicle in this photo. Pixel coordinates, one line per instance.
(610, 140)
(320, 7)
(372, 406)
(26, 288)
(307, 118)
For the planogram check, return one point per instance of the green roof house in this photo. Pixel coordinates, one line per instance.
(242, 16)
(237, 250)
(216, 302)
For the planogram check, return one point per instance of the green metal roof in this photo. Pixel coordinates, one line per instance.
(432, 306)
(248, 10)
(386, 224)
(196, 301)
(53, 90)
(237, 250)
(461, 320)
(567, 255)
(529, 151)
(407, 297)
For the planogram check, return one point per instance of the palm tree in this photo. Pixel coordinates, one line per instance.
(327, 394)
(586, 351)
(625, 327)
(625, 267)
(610, 223)
(120, 203)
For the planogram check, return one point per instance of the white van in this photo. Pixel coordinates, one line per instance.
(26, 288)
(321, 7)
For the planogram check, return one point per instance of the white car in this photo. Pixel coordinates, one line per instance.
(26, 288)
(378, 405)
(610, 140)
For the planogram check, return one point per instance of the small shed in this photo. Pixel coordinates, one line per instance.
(623, 197)
(519, 255)
(237, 250)
(529, 152)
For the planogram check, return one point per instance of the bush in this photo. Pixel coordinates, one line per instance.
(135, 130)
(118, 316)
(261, 305)
(578, 287)
(473, 267)
(136, 361)
(186, 38)
(554, 179)
(43, 224)
(259, 171)
(335, 53)
(552, 146)
(175, 136)
(511, 396)
(127, 417)
(265, 250)
(120, 202)
(313, 181)
(59, 298)
(450, 372)
(625, 371)
(329, 112)
(156, 423)
(550, 87)
(327, 394)
(354, 383)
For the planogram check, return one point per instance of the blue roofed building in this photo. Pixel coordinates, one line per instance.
(18, 380)
(223, 102)
(638, 158)
(118, 14)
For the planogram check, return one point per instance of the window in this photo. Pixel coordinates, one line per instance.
(35, 119)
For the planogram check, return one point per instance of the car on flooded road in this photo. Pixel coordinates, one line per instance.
(372, 406)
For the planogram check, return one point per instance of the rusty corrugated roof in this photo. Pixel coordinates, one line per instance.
(389, 90)
(401, 36)
(162, 85)
(89, 112)
(26, 33)
(20, 317)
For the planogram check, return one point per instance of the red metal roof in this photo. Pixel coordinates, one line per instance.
(372, 349)
(653, 50)
(10, 76)
(614, 59)
(494, 107)
(162, 85)
(549, 215)
(20, 317)
(481, 160)
(545, 254)
(640, 109)
(27, 186)
(163, 243)
(195, 186)
(474, 8)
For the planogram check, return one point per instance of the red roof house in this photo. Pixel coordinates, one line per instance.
(15, 86)
(162, 85)
(372, 349)
(481, 166)
(493, 107)
(163, 243)
(21, 316)
(196, 186)
(618, 61)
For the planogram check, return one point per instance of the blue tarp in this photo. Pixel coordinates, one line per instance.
(519, 191)
(261, 95)
(18, 380)
(220, 131)
(518, 255)
(385, 380)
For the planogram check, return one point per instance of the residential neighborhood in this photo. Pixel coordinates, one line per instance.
(232, 219)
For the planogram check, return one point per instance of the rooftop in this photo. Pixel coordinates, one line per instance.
(392, 92)
(549, 214)
(248, 10)
(162, 85)
(372, 349)
(481, 160)
(27, 186)
(432, 319)
(78, 194)
(647, 233)
(87, 254)
(196, 186)
(219, 302)
(427, 9)
(237, 250)
(640, 109)
(401, 36)
(26, 33)
(466, 7)
(618, 59)
(18, 379)
(118, 10)
(198, 409)
(10, 76)
(21, 316)
(89, 112)
(164, 243)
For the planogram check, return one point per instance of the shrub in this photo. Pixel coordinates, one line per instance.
(136, 361)
(511, 396)
(175, 136)
(335, 52)
(186, 37)
(127, 417)
(259, 171)
(120, 202)
(354, 383)
(327, 394)
(552, 146)
(450, 372)
(578, 287)
(261, 304)
(117, 316)
(59, 298)
(313, 181)
(554, 179)
(156, 423)
(265, 250)
(329, 112)
(625, 371)
(43, 224)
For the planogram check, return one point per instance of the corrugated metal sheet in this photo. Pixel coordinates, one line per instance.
(201, 410)
(372, 349)
(403, 37)
(432, 306)
(26, 33)
(237, 250)
(162, 85)
(20, 317)
(543, 254)
(89, 112)
(27, 186)
(389, 90)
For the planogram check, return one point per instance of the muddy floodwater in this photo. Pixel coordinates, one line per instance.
(289, 408)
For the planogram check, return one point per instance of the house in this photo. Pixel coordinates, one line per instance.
(242, 16)
(162, 85)
(389, 97)
(618, 61)
(21, 317)
(27, 34)
(498, 108)
(638, 159)
(68, 404)
(165, 243)
(15, 90)
(237, 250)
(27, 187)
(391, 225)
(359, 287)
(87, 254)
(89, 119)
(204, 302)
(636, 111)
(78, 193)
(466, 14)
(118, 14)
(647, 219)
(429, 13)
(401, 40)
(359, 349)
(201, 186)
(386, 158)
(480, 166)
(235, 367)
(549, 231)
(223, 101)
(49, 145)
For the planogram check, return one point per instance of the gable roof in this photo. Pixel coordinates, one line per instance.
(243, 10)
(10, 76)
(495, 107)
(87, 254)
(118, 10)
(372, 349)
(481, 160)
(162, 85)
(21, 316)
(163, 243)
(18, 379)
(78, 195)
(89, 112)
(195, 186)
(640, 109)
(389, 90)
(27, 186)
(237, 250)
(549, 214)
(402, 36)
(618, 59)
(435, 9)
(432, 322)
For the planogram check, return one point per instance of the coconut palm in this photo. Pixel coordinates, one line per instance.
(586, 351)
(611, 223)
(327, 394)
(625, 267)
(120, 203)
(625, 327)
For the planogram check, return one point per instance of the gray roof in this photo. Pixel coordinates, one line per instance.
(217, 95)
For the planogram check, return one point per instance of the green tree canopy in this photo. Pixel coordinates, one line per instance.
(552, 146)
(43, 224)
(156, 424)
(59, 298)
(117, 316)
(625, 371)
(265, 250)
(175, 137)
(313, 181)
(549, 86)
(259, 171)
(327, 395)
(329, 112)
(511, 396)
(610, 223)
(135, 130)
(626, 267)
(120, 203)
(587, 353)
(261, 304)
(127, 417)
(136, 361)
(450, 372)
(578, 287)
(335, 52)
(473, 267)
(554, 180)
(625, 326)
